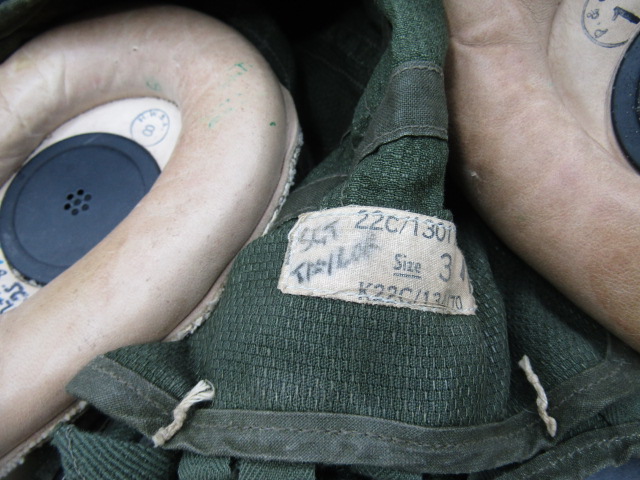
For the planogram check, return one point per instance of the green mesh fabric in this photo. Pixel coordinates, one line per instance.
(308, 387)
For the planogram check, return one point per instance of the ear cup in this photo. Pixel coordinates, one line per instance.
(50, 215)
(528, 91)
(68, 198)
(161, 263)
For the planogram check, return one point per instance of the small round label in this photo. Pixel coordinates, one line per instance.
(610, 23)
(150, 127)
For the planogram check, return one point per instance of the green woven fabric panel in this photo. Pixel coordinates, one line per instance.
(383, 474)
(198, 467)
(248, 470)
(333, 356)
(88, 455)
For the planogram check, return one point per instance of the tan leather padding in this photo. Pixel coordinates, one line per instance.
(156, 271)
(528, 91)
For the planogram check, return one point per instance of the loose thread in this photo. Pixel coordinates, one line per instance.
(541, 401)
(204, 391)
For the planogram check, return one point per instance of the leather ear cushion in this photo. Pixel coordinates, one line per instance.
(534, 158)
(219, 190)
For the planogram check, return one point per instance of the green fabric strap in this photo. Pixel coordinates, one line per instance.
(413, 104)
(198, 467)
(384, 474)
(307, 197)
(92, 456)
(249, 470)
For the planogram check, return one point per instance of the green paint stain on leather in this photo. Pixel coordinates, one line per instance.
(154, 85)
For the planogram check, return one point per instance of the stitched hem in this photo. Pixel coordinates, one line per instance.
(347, 439)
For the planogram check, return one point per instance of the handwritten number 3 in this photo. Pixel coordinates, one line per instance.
(446, 275)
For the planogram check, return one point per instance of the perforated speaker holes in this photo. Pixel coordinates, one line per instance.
(77, 202)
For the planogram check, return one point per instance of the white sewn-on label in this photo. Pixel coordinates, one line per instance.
(378, 256)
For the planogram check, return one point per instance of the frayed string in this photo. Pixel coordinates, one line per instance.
(541, 401)
(204, 391)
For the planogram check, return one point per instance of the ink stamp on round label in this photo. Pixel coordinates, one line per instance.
(378, 256)
(150, 127)
(610, 23)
